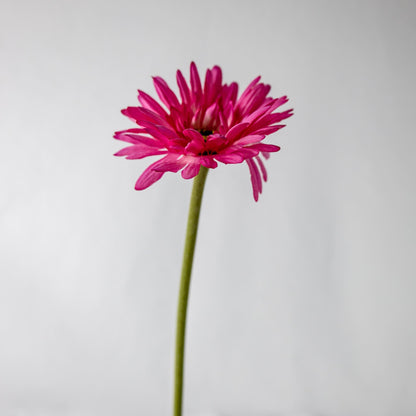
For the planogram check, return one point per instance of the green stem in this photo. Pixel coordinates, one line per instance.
(188, 256)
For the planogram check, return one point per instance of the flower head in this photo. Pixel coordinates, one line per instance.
(209, 124)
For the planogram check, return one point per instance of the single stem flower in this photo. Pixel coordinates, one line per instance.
(209, 124)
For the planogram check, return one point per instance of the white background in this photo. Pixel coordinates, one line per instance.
(302, 302)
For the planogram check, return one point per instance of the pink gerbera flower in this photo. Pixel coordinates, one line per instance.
(209, 124)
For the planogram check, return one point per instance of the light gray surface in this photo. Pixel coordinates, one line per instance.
(301, 302)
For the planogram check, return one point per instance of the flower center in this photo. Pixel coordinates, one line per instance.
(206, 133)
(208, 153)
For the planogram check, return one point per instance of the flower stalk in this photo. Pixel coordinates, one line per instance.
(188, 256)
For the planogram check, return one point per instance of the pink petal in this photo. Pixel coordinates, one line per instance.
(197, 118)
(139, 152)
(212, 87)
(276, 117)
(148, 102)
(230, 92)
(176, 117)
(167, 96)
(191, 170)
(159, 134)
(147, 178)
(269, 130)
(141, 114)
(249, 88)
(170, 163)
(210, 115)
(208, 162)
(216, 78)
(255, 178)
(235, 131)
(207, 84)
(167, 132)
(130, 137)
(215, 142)
(194, 135)
(262, 168)
(223, 127)
(183, 88)
(246, 152)
(195, 82)
(145, 153)
(255, 114)
(230, 114)
(263, 147)
(253, 99)
(277, 103)
(253, 138)
(229, 158)
(194, 148)
(197, 142)
(269, 119)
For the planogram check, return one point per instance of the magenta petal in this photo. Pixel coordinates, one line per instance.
(235, 131)
(147, 178)
(229, 158)
(253, 138)
(247, 152)
(253, 98)
(208, 83)
(248, 90)
(216, 142)
(162, 131)
(167, 96)
(262, 168)
(148, 102)
(193, 134)
(145, 153)
(163, 135)
(139, 152)
(216, 77)
(135, 138)
(263, 147)
(269, 130)
(275, 117)
(255, 178)
(277, 103)
(183, 88)
(177, 119)
(169, 163)
(209, 162)
(230, 92)
(141, 114)
(195, 82)
(212, 87)
(255, 114)
(191, 170)
(210, 115)
(194, 148)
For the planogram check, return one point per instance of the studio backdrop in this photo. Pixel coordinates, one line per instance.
(300, 303)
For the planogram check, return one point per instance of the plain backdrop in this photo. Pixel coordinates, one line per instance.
(302, 303)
